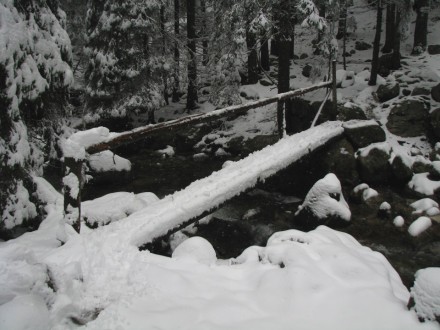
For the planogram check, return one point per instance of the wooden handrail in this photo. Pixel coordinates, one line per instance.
(142, 132)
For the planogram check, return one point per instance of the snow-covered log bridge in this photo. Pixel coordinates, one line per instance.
(76, 147)
(201, 197)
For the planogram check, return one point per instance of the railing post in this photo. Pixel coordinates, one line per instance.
(72, 183)
(334, 96)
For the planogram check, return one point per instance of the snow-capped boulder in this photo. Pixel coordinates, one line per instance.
(419, 90)
(374, 166)
(197, 249)
(324, 204)
(362, 45)
(434, 49)
(339, 159)
(350, 111)
(388, 91)
(363, 133)
(425, 294)
(409, 118)
(401, 168)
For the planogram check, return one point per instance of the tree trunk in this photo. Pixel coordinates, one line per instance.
(421, 29)
(192, 98)
(342, 25)
(252, 57)
(284, 45)
(176, 97)
(395, 63)
(274, 44)
(376, 45)
(264, 54)
(165, 74)
(204, 29)
(390, 29)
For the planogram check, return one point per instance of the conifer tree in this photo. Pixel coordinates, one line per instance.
(35, 74)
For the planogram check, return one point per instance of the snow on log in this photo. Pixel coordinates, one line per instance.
(178, 209)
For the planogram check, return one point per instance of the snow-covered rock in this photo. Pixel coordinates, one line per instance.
(324, 203)
(422, 184)
(115, 206)
(107, 161)
(399, 221)
(419, 226)
(426, 293)
(196, 248)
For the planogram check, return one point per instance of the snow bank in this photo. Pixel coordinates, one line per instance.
(309, 280)
(426, 293)
(326, 199)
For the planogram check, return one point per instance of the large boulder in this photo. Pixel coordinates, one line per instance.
(388, 91)
(434, 49)
(373, 164)
(420, 91)
(324, 205)
(435, 122)
(307, 71)
(299, 115)
(362, 45)
(435, 93)
(363, 133)
(339, 159)
(408, 118)
(350, 111)
(401, 169)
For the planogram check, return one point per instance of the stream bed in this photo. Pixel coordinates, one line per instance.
(251, 218)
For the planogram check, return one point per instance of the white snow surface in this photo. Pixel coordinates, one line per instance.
(419, 226)
(106, 161)
(426, 293)
(320, 202)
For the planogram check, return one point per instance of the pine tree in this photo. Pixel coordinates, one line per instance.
(35, 74)
(126, 64)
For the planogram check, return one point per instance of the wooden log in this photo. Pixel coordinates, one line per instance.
(142, 132)
(72, 182)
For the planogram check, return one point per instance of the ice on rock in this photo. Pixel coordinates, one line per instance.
(325, 199)
(426, 293)
(196, 248)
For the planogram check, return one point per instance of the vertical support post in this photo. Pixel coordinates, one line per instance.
(334, 96)
(72, 183)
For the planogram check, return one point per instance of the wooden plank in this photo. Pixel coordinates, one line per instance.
(142, 132)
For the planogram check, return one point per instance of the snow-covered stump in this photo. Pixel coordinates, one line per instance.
(72, 182)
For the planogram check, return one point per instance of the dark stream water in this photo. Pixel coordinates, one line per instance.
(251, 218)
